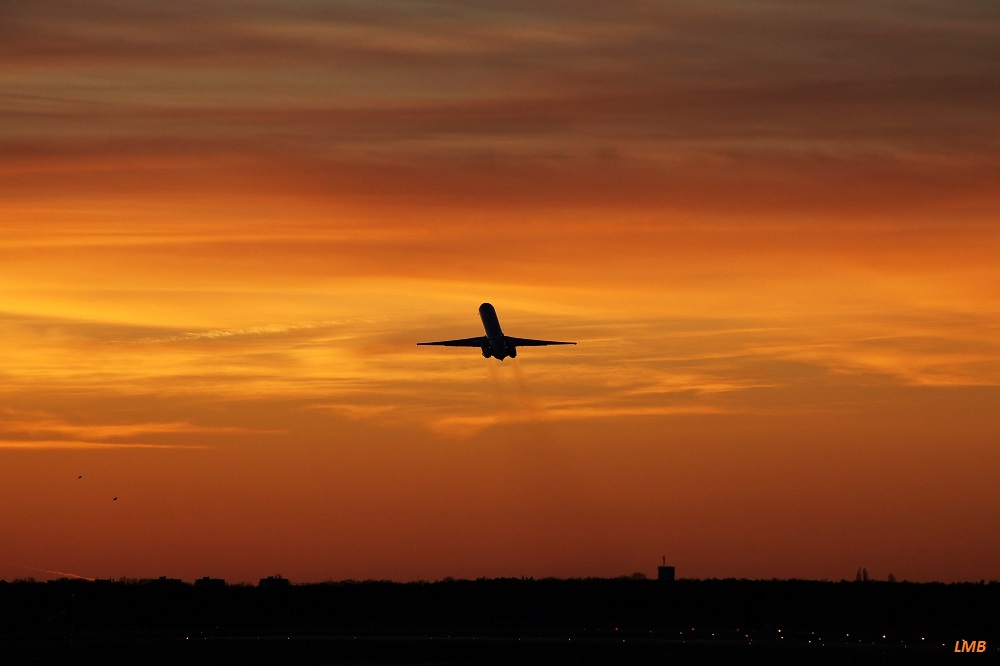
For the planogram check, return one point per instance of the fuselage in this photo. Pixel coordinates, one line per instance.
(498, 348)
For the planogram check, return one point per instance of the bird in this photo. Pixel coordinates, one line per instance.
(114, 499)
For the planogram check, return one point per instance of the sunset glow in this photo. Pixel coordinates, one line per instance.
(772, 228)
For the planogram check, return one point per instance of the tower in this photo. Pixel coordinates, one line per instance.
(665, 573)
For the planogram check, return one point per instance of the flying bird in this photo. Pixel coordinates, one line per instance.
(495, 343)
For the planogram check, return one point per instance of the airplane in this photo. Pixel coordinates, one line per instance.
(495, 343)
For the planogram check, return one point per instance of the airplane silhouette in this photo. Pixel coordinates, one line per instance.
(495, 343)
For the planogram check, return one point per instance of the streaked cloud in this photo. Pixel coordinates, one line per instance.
(674, 105)
(34, 430)
(82, 445)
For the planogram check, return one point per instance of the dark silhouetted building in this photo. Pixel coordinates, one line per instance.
(210, 582)
(163, 581)
(665, 573)
(273, 582)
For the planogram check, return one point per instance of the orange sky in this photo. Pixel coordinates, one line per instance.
(772, 228)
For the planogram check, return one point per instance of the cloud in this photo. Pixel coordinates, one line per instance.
(680, 106)
(82, 445)
(40, 424)
(464, 427)
(35, 429)
(268, 331)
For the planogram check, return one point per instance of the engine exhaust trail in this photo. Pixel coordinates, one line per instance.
(62, 574)
(525, 394)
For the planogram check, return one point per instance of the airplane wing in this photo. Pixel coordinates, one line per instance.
(528, 342)
(465, 342)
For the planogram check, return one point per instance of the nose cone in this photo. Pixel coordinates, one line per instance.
(487, 310)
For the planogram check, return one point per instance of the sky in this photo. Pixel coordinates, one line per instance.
(771, 226)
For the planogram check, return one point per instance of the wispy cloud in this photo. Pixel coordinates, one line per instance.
(234, 333)
(462, 427)
(33, 429)
(82, 445)
(41, 424)
(448, 106)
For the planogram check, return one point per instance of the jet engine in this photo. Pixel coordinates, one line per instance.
(486, 350)
(512, 352)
